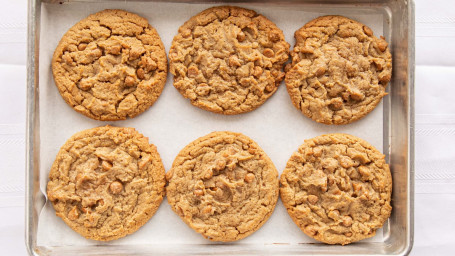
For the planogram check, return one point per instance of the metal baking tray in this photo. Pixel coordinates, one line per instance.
(397, 142)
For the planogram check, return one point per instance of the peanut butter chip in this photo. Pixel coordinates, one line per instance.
(269, 88)
(93, 197)
(339, 71)
(384, 78)
(186, 33)
(382, 45)
(220, 164)
(336, 104)
(347, 221)
(236, 52)
(357, 96)
(209, 174)
(320, 71)
(310, 230)
(241, 37)
(169, 175)
(305, 50)
(73, 214)
(331, 195)
(96, 53)
(234, 61)
(207, 209)
(313, 199)
(367, 31)
(249, 178)
(98, 77)
(116, 187)
(129, 81)
(81, 47)
(140, 73)
(198, 192)
(219, 190)
(106, 165)
(335, 214)
(269, 53)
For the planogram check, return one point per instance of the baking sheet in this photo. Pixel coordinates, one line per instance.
(172, 122)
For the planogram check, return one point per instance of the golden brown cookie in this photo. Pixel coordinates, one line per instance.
(228, 60)
(337, 188)
(339, 70)
(106, 182)
(223, 185)
(110, 65)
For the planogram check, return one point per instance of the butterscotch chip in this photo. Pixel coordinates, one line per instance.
(97, 187)
(238, 53)
(220, 188)
(116, 187)
(339, 72)
(110, 66)
(332, 202)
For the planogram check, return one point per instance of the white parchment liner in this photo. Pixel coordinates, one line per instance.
(173, 122)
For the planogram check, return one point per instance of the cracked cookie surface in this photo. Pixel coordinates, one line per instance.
(223, 186)
(228, 60)
(106, 182)
(337, 188)
(339, 70)
(110, 66)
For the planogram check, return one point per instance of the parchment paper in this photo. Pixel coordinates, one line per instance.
(172, 122)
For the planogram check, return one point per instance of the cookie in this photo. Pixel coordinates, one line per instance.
(223, 185)
(106, 182)
(339, 70)
(337, 188)
(110, 66)
(228, 60)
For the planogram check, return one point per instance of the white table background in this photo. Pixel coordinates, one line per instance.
(434, 140)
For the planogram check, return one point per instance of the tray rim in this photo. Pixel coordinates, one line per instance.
(32, 115)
